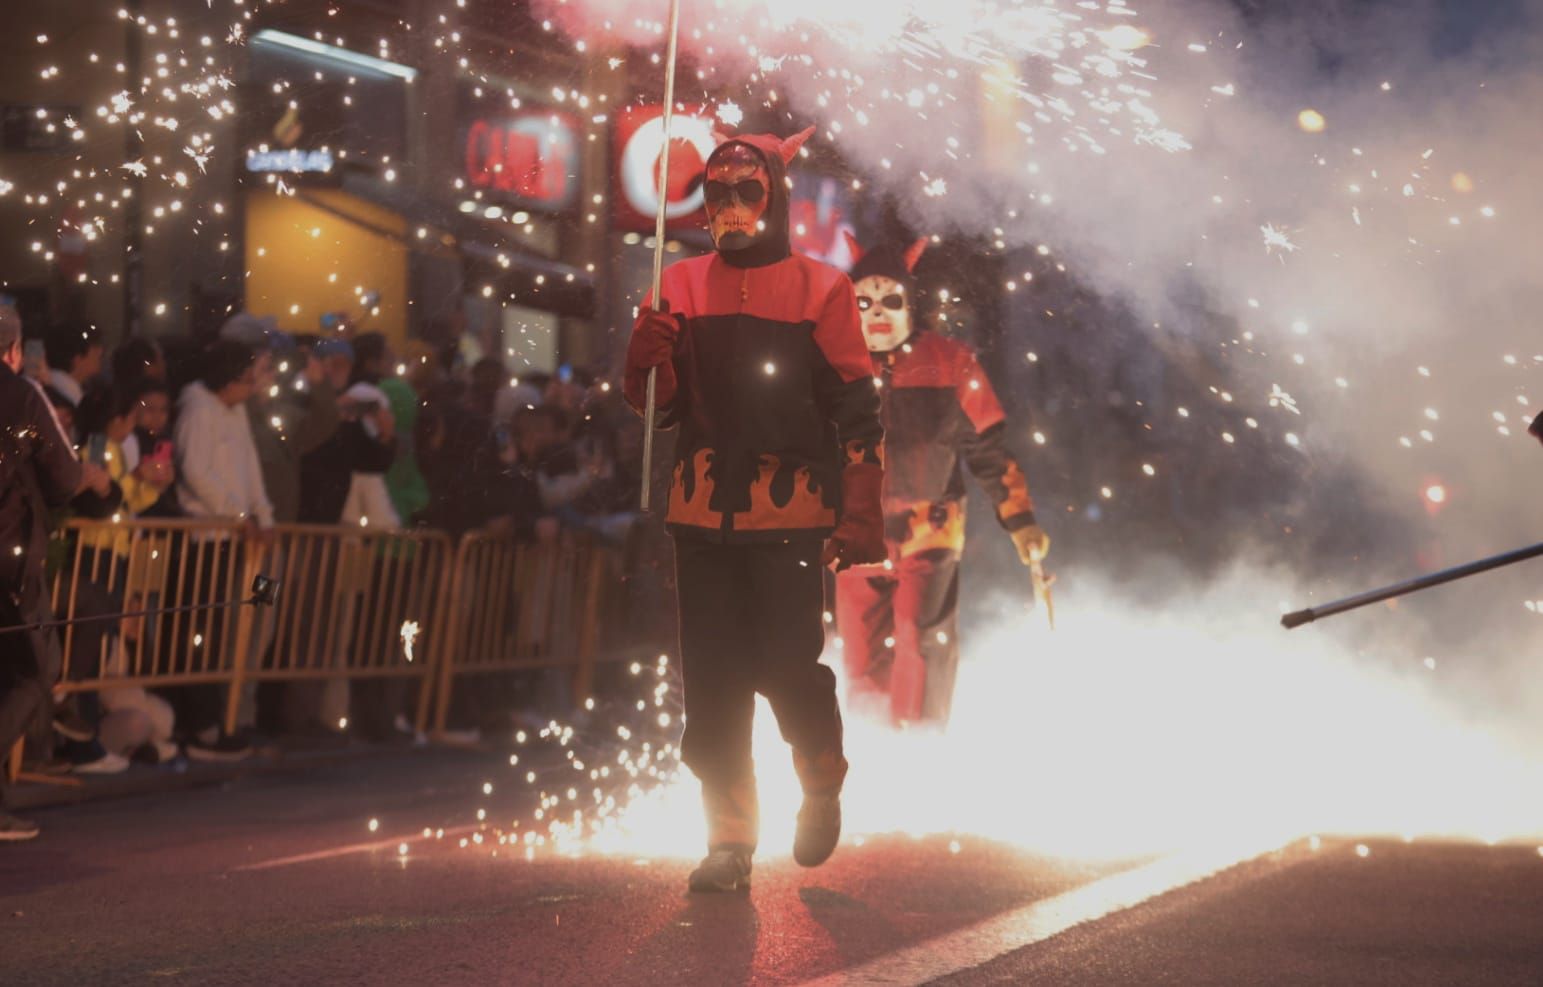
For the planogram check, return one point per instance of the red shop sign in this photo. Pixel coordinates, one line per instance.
(639, 151)
(529, 158)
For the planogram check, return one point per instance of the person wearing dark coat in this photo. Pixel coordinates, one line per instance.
(38, 472)
(778, 468)
(899, 621)
(327, 471)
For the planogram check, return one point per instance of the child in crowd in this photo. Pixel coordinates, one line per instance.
(106, 418)
(131, 719)
(153, 443)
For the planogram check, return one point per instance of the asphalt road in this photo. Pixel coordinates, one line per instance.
(277, 879)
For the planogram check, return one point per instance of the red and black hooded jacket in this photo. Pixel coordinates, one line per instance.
(939, 410)
(775, 392)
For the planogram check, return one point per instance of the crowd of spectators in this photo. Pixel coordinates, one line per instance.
(338, 428)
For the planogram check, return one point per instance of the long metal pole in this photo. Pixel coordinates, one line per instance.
(1300, 617)
(659, 223)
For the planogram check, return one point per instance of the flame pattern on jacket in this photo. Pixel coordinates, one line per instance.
(775, 397)
(939, 410)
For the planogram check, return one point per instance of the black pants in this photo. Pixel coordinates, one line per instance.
(751, 620)
(98, 590)
(24, 682)
(899, 633)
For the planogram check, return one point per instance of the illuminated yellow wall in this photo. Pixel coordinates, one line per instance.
(302, 261)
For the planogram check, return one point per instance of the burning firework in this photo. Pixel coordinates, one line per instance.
(1124, 733)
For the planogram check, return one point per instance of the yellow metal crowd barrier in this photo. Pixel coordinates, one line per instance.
(104, 567)
(361, 603)
(522, 606)
(353, 603)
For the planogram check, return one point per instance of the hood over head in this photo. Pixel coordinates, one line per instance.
(886, 290)
(888, 260)
(776, 153)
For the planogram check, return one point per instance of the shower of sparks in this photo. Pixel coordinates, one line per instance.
(1174, 679)
(1070, 77)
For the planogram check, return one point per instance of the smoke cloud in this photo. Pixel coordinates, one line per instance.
(1333, 204)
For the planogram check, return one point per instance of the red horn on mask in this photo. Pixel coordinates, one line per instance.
(789, 147)
(914, 252)
(853, 247)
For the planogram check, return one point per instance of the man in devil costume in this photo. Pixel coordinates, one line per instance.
(898, 621)
(778, 472)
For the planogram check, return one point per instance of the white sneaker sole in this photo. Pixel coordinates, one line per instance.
(112, 764)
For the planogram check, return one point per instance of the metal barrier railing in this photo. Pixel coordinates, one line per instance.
(103, 568)
(108, 567)
(352, 603)
(514, 606)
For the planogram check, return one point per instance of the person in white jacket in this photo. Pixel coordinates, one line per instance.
(218, 473)
(218, 476)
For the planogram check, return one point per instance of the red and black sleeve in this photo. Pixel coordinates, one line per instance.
(984, 447)
(844, 383)
(677, 297)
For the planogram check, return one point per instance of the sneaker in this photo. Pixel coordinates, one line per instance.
(108, 764)
(221, 748)
(14, 830)
(819, 829)
(722, 870)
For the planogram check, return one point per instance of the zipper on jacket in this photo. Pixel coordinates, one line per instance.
(727, 526)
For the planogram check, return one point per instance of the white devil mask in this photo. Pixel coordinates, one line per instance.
(882, 281)
(886, 312)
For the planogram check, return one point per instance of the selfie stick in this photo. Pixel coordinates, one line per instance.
(264, 594)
